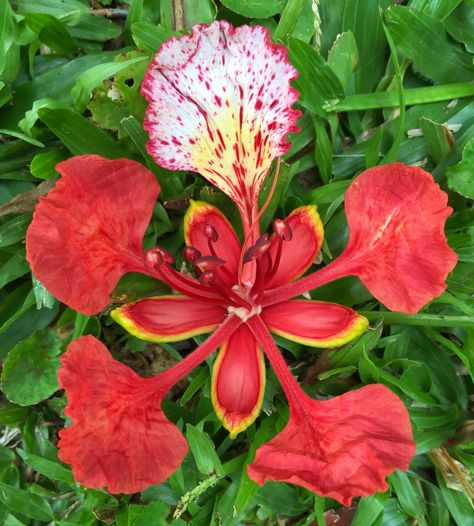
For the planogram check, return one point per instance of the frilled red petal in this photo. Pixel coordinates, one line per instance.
(397, 245)
(169, 318)
(88, 231)
(220, 104)
(298, 253)
(314, 323)
(238, 381)
(227, 246)
(119, 437)
(340, 448)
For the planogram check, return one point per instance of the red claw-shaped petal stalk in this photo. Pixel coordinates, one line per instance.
(340, 448)
(88, 231)
(397, 245)
(119, 437)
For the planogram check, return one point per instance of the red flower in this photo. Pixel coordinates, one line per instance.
(88, 232)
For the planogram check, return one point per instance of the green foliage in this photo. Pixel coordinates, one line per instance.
(375, 78)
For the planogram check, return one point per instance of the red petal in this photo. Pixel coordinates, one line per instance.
(87, 232)
(397, 246)
(340, 448)
(119, 437)
(227, 246)
(298, 253)
(169, 318)
(314, 323)
(220, 104)
(238, 381)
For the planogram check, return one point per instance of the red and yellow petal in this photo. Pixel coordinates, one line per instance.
(314, 323)
(298, 253)
(119, 437)
(397, 245)
(221, 104)
(169, 318)
(88, 231)
(238, 381)
(227, 246)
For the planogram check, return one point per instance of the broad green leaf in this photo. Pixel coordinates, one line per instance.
(153, 513)
(52, 32)
(66, 8)
(94, 76)
(9, 50)
(461, 176)
(199, 12)
(203, 451)
(280, 498)
(438, 139)
(362, 18)
(253, 8)
(43, 164)
(15, 267)
(22, 136)
(317, 83)
(95, 28)
(288, 19)
(24, 502)
(423, 39)
(170, 184)
(48, 468)
(30, 370)
(343, 57)
(80, 135)
(369, 510)
(459, 24)
(408, 493)
(458, 504)
(56, 83)
(150, 37)
(14, 230)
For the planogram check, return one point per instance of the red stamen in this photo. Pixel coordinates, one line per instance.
(191, 254)
(258, 250)
(282, 229)
(211, 233)
(157, 262)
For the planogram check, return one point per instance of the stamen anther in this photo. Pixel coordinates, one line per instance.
(156, 257)
(258, 250)
(209, 262)
(191, 254)
(211, 233)
(283, 230)
(207, 278)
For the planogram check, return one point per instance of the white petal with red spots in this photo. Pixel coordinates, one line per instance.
(223, 110)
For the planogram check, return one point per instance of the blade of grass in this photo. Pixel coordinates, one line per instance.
(390, 99)
(426, 320)
(392, 154)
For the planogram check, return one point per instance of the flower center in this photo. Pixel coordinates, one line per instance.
(214, 282)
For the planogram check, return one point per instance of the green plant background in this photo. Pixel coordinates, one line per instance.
(380, 81)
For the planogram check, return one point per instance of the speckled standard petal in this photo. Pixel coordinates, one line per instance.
(220, 104)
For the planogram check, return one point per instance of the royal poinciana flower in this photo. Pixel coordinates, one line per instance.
(220, 104)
